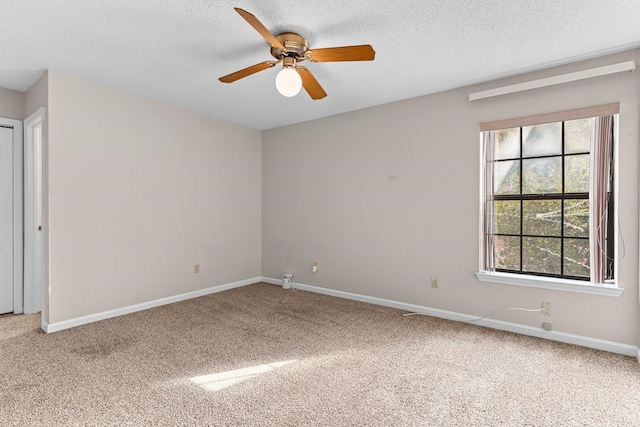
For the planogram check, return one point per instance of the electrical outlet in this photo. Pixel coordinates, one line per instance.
(314, 267)
(546, 326)
(196, 268)
(434, 281)
(546, 307)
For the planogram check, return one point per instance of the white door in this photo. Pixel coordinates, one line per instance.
(6, 220)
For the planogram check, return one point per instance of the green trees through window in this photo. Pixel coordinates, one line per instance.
(540, 178)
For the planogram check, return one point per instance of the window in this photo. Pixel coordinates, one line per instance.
(548, 202)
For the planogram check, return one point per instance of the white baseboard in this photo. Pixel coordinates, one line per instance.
(595, 343)
(66, 324)
(610, 346)
(271, 281)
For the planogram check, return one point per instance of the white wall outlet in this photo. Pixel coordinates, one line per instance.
(546, 307)
(196, 268)
(546, 326)
(314, 267)
(434, 282)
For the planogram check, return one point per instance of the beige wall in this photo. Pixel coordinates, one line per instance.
(382, 198)
(385, 198)
(37, 96)
(11, 104)
(139, 192)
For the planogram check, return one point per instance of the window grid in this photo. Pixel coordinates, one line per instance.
(542, 196)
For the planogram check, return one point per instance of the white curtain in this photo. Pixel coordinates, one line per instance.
(600, 161)
(488, 141)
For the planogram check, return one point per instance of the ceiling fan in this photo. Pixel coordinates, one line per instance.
(291, 49)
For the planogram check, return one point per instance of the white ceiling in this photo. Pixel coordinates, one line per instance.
(175, 50)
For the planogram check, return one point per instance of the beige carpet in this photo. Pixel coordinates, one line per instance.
(264, 356)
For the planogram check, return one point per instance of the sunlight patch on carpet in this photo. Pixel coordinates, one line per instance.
(222, 380)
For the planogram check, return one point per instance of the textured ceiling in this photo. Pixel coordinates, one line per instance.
(175, 50)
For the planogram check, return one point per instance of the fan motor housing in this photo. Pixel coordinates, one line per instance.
(295, 45)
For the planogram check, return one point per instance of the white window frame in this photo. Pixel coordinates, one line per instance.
(607, 289)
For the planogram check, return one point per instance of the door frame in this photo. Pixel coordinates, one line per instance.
(16, 125)
(33, 214)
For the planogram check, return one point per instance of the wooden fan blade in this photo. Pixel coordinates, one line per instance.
(230, 78)
(362, 52)
(255, 23)
(310, 84)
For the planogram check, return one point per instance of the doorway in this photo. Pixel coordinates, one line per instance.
(33, 213)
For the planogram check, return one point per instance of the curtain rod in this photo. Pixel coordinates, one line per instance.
(550, 81)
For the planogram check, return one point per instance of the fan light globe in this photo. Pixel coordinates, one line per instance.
(288, 82)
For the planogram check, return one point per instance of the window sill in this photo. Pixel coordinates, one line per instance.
(549, 283)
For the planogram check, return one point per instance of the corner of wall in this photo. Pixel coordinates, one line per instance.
(37, 95)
